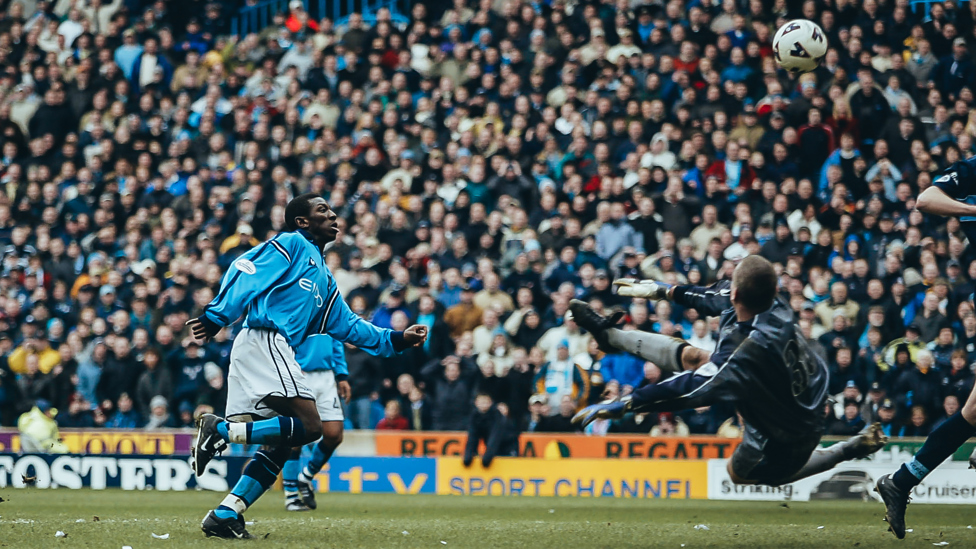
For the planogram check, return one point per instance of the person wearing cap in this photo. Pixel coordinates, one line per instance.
(108, 302)
(625, 48)
(872, 402)
(748, 128)
(39, 431)
(395, 302)
(887, 413)
(465, 316)
(159, 414)
(956, 71)
(286, 294)
(758, 338)
(778, 249)
(539, 417)
(241, 241)
(602, 290)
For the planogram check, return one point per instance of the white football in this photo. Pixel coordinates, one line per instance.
(799, 46)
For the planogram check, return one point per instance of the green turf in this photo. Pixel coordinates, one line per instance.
(30, 518)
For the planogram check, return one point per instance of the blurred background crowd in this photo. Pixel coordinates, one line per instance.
(489, 160)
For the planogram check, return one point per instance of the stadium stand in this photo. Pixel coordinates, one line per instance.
(489, 161)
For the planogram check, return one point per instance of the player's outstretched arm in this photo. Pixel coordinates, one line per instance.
(709, 301)
(648, 289)
(935, 201)
(251, 274)
(346, 326)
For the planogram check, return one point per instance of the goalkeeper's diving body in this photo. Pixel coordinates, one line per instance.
(761, 364)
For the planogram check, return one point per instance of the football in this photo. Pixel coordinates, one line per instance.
(799, 46)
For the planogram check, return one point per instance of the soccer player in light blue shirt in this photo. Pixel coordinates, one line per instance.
(286, 294)
(323, 360)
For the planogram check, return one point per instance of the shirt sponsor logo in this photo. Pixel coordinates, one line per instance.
(312, 288)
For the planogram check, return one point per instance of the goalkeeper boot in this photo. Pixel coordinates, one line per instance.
(896, 501)
(595, 323)
(615, 409)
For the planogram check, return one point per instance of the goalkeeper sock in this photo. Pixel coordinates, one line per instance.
(940, 444)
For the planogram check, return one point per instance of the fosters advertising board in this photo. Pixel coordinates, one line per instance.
(950, 483)
(116, 471)
(434, 444)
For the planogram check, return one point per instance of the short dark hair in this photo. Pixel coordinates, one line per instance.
(754, 281)
(300, 206)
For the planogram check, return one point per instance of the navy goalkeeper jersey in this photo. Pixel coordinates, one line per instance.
(763, 366)
(959, 182)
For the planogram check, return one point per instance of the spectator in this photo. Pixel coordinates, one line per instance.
(143, 155)
(154, 381)
(838, 302)
(886, 417)
(451, 392)
(159, 416)
(465, 316)
(490, 424)
(669, 425)
(561, 421)
(917, 425)
(37, 346)
(562, 377)
(365, 379)
(392, 419)
(539, 416)
(39, 431)
(627, 370)
(420, 415)
(950, 405)
(851, 423)
(920, 387)
(214, 392)
(78, 415)
(125, 416)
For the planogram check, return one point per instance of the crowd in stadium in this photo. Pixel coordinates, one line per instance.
(489, 161)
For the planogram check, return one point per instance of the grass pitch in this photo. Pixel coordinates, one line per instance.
(30, 518)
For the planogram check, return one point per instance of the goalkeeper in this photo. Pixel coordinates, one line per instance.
(761, 364)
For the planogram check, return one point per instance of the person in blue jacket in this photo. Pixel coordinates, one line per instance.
(286, 294)
(323, 360)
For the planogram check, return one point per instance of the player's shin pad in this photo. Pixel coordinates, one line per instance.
(663, 351)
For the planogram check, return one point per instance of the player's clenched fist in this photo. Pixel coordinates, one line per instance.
(650, 289)
(415, 335)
